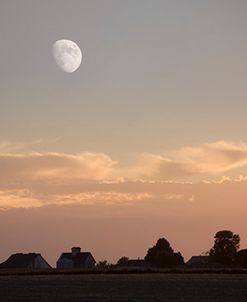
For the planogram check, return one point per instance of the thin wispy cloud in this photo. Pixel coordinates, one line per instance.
(7, 146)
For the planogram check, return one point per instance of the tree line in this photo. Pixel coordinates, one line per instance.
(224, 252)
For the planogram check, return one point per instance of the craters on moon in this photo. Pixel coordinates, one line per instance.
(67, 55)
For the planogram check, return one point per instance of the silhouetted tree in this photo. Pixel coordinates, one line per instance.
(225, 247)
(178, 258)
(242, 258)
(122, 260)
(103, 264)
(162, 255)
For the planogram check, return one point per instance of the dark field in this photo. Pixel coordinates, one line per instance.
(118, 288)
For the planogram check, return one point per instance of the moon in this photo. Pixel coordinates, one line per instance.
(67, 55)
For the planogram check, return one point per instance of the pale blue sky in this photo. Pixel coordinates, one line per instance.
(155, 75)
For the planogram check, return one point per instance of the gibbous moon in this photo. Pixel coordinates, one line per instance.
(67, 55)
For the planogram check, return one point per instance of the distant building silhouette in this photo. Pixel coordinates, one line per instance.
(198, 262)
(26, 261)
(135, 263)
(76, 259)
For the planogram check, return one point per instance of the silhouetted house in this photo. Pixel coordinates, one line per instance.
(136, 263)
(76, 259)
(198, 262)
(242, 258)
(27, 261)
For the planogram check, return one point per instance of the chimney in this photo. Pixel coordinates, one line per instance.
(75, 250)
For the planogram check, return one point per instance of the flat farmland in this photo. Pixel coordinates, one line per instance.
(124, 287)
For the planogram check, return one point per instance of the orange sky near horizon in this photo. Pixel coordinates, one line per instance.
(49, 214)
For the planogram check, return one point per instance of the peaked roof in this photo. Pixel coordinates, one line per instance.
(20, 260)
(79, 258)
(198, 259)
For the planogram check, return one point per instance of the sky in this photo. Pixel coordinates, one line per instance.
(146, 139)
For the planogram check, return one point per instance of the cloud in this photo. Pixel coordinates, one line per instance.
(37, 179)
(7, 146)
(153, 193)
(10, 147)
(10, 199)
(109, 197)
(54, 166)
(212, 158)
